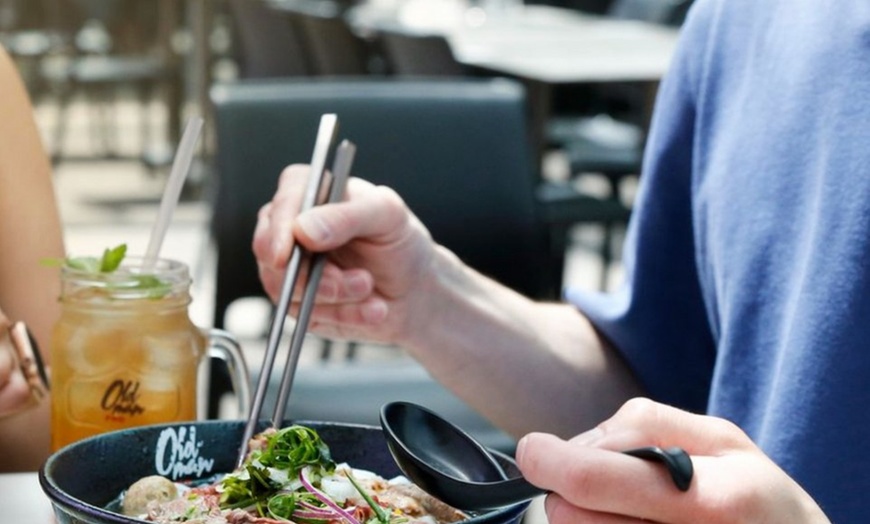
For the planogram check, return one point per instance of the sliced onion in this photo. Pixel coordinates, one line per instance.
(326, 500)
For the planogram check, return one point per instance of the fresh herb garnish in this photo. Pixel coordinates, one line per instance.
(112, 258)
(109, 263)
(283, 481)
(295, 447)
(381, 515)
(287, 451)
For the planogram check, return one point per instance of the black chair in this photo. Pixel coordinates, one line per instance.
(587, 6)
(667, 12)
(456, 150)
(420, 138)
(334, 49)
(267, 42)
(408, 54)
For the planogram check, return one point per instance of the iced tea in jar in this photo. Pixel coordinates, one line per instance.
(125, 352)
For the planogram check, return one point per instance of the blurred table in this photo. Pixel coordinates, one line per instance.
(543, 46)
(22, 500)
(541, 43)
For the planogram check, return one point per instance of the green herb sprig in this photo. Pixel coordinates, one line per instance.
(295, 447)
(379, 512)
(289, 449)
(109, 263)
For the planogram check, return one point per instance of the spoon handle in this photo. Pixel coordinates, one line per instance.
(498, 494)
(675, 459)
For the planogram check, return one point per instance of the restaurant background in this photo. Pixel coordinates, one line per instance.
(112, 146)
(112, 142)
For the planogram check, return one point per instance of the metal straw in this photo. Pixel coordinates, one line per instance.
(341, 169)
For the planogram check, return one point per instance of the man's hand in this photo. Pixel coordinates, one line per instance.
(377, 251)
(592, 482)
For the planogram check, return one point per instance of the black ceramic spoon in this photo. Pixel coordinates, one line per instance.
(452, 466)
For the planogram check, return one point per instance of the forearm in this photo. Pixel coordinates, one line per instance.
(30, 228)
(30, 231)
(507, 355)
(523, 365)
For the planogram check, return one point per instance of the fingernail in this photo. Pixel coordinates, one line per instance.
(314, 227)
(521, 449)
(278, 248)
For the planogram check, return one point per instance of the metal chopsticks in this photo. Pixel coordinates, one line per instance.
(340, 172)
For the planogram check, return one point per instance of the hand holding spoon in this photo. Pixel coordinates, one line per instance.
(452, 466)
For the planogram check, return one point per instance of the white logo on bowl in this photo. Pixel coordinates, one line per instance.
(177, 454)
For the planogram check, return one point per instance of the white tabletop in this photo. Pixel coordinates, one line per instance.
(540, 43)
(22, 500)
(582, 50)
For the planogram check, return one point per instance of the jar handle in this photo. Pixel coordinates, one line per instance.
(223, 345)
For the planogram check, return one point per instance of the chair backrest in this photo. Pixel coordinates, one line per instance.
(106, 10)
(34, 28)
(410, 54)
(333, 47)
(587, 6)
(455, 150)
(19, 15)
(268, 43)
(667, 12)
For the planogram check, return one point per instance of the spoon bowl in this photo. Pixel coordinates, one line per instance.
(452, 466)
(447, 462)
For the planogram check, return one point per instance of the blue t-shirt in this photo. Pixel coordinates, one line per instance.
(747, 290)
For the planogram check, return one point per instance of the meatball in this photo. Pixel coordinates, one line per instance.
(147, 489)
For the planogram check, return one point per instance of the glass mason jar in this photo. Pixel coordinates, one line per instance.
(125, 352)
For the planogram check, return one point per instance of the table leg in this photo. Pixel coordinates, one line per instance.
(200, 14)
(168, 23)
(539, 96)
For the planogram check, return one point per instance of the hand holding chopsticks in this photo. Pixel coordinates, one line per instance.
(341, 170)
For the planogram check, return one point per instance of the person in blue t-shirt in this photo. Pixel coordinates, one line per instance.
(744, 310)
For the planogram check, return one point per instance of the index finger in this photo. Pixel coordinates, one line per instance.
(643, 422)
(273, 237)
(603, 480)
(376, 214)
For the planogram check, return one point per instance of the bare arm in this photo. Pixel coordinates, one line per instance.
(30, 231)
(525, 365)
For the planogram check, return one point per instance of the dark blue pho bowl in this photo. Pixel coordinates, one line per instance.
(84, 478)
